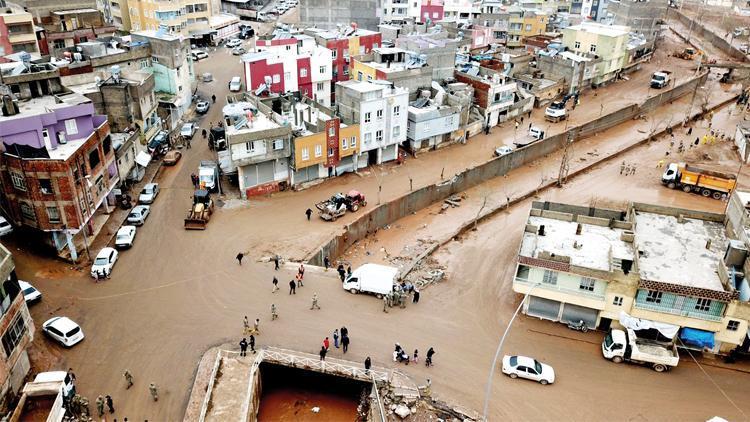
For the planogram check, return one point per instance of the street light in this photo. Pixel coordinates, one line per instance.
(497, 352)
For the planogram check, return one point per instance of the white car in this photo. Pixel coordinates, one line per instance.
(148, 193)
(138, 215)
(63, 330)
(198, 54)
(234, 42)
(5, 227)
(125, 237)
(503, 150)
(104, 262)
(202, 107)
(30, 293)
(525, 367)
(188, 130)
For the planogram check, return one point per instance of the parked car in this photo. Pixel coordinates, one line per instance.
(63, 330)
(234, 42)
(238, 51)
(172, 158)
(139, 214)
(188, 130)
(525, 367)
(207, 77)
(125, 236)
(149, 193)
(199, 55)
(202, 107)
(5, 227)
(162, 138)
(104, 261)
(503, 150)
(30, 293)
(235, 84)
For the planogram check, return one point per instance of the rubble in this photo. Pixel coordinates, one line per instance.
(402, 411)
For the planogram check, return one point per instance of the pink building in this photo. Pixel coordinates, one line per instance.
(432, 10)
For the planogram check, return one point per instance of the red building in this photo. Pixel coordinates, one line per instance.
(432, 10)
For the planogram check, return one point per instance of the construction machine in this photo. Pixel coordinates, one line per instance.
(200, 213)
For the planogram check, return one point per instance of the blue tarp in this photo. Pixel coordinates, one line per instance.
(700, 338)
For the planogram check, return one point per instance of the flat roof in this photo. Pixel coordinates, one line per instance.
(675, 253)
(597, 28)
(593, 248)
(65, 12)
(150, 33)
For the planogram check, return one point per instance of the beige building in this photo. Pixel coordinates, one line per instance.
(185, 17)
(17, 31)
(661, 264)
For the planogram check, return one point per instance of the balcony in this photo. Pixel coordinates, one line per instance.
(669, 303)
(559, 288)
(686, 313)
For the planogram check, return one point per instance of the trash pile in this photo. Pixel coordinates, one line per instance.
(417, 405)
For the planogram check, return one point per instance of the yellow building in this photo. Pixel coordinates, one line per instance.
(179, 16)
(610, 42)
(119, 13)
(20, 29)
(525, 23)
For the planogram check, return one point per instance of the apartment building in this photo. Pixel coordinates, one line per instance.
(524, 23)
(402, 68)
(437, 47)
(498, 98)
(431, 11)
(67, 28)
(58, 170)
(432, 123)
(17, 32)
(380, 110)
(461, 11)
(642, 17)
(330, 14)
(608, 42)
(662, 264)
(190, 18)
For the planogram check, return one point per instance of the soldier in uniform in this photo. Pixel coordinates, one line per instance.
(153, 391)
(274, 315)
(315, 302)
(100, 405)
(128, 379)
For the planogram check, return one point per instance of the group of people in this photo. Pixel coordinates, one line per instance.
(399, 295)
(102, 274)
(343, 335)
(402, 356)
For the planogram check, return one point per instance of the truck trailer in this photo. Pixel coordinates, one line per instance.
(372, 278)
(619, 346)
(693, 179)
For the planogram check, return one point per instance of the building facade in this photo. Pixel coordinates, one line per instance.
(67, 28)
(497, 97)
(609, 42)
(642, 17)
(403, 69)
(17, 31)
(329, 14)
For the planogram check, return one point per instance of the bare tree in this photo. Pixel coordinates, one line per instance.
(485, 195)
(543, 180)
(379, 175)
(656, 124)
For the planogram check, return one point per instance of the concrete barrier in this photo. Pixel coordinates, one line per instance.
(717, 40)
(398, 208)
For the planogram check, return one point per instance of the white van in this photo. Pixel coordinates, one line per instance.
(235, 84)
(371, 278)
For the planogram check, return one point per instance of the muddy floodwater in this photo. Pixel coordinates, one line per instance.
(290, 395)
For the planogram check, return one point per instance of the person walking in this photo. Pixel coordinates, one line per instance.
(213, 98)
(276, 262)
(622, 167)
(322, 353)
(326, 262)
(292, 287)
(275, 283)
(128, 379)
(187, 141)
(110, 404)
(256, 327)
(245, 325)
(336, 338)
(251, 343)
(243, 347)
(298, 277)
(385, 303)
(274, 314)
(344, 331)
(239, 257)
(349, 271)
(415, 299)
(368, 364)
(301, 271)
(342, 272)
(345, 343)
(690, 131)
(326, 343)
(430, 353)
(154, 392)
(204, 133)
(308, 213)
(100, 405)
(314, 302)
(416, 356)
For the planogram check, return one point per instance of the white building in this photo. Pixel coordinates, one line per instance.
(461, 11)
(381, 110)
(431, 123)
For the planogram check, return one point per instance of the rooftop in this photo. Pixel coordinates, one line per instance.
(239, 111)
(600, 29)
(67, 12)
(150, 33)
(675, 253)
(594, 248)
(345, 32)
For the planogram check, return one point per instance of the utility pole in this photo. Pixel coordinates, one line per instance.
(562, 175)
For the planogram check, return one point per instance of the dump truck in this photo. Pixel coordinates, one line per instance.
(693, 179)
(619, 346)
(200, 213)
(373, 279)
(661, 79)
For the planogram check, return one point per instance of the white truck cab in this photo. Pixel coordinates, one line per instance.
(555, 112)
(371, 278)
(619, 346)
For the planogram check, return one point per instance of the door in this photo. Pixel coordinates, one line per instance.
(543, 308)
(575, 313)
(604, 324)
(522, 371)
(532, 374)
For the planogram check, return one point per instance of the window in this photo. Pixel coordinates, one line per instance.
(321, 86)
(154, 59)
(528, 27)
(71, 127)
(344, 145)
(703, 304)
(288, 48)
(334, 53)
(379, 114)
(287, 75)
(368, 138)
(278, 144)
(353, 142)
(449, 121)
(318, 150)
(396, 131)
(276, 78)
(587, 284)
(54, 214)
(107, 145)
(27, 211)
(144, 63)
(369, 77)
(733, 325)
(330, 152)
(379, 136)
(653, 296)
(19, 182)
(550, 277)
(368, 117)
(322, 69)
(94, 159)
(617, 301)
(577, 45)
(359, 76)
(592, 48)
(346, 69)
(332, 131)
(303, 72)
(435, 15)
(58, 44)
(346, 52)
(14, 334)
(397, 110)
(305, 154)
(45, 185)
(250, 146)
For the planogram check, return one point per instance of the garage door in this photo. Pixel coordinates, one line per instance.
(576, 313)
(265, 172)
(543, 308)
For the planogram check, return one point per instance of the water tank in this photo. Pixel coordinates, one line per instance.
(115, 72)
(735, 254)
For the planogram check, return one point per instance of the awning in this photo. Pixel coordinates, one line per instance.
(143, 158)
(201, 33)
(667, 330)
(699, 338)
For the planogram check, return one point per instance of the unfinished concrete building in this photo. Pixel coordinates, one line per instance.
(642, 16)
(328, 14)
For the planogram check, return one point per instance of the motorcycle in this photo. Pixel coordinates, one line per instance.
(578, 326)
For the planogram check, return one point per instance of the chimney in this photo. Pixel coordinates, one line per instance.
(541, 230)
(579, 227)
(9, 106)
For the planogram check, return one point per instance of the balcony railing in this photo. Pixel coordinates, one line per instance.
(681, 312)
(561, 289)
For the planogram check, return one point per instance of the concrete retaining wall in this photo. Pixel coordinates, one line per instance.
(717, 40)
(398, 208)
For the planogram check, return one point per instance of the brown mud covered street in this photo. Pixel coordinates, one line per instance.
(176, 292)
